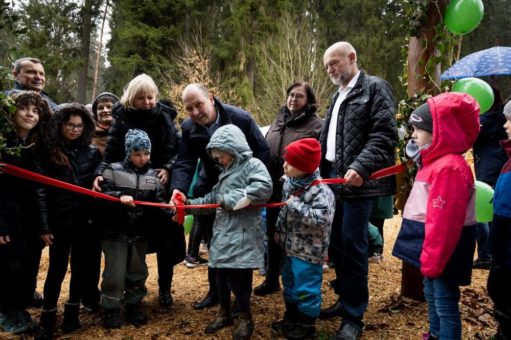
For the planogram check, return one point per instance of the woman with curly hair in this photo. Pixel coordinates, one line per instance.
(20, 248)
(67, 219)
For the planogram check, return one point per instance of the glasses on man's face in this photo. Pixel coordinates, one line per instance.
(71, 127)
(296, 95)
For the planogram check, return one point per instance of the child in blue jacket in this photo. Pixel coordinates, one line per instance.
(499, 280)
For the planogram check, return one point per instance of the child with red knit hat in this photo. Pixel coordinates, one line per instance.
(303, 230)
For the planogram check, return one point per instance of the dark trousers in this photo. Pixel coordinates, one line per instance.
(35, 248)
(165, 268)
(483, 241)
(237, 281)
(200, 231)
(275, 252)
(15, 278)
(66, 245)
(125, 272)
(92, 271)
(499, 279)
(348, 251)
(206, 222)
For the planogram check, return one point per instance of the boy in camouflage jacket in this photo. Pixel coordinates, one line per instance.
(303, 230)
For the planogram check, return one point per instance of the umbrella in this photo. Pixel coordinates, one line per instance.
(495, 61)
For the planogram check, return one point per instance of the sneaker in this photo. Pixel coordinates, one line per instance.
(203, 248)
(193, 262)
(375, 258)
(482, 264)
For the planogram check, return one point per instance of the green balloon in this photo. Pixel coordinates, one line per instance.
(484, 202)
(477, 88)
(463, 16)
(188, 223)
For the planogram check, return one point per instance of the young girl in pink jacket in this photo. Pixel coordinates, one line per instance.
(438, 230)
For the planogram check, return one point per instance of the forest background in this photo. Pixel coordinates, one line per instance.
(246, 51)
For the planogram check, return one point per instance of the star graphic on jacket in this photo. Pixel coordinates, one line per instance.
(438, 202)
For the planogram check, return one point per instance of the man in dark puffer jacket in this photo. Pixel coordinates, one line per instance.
(358, 138)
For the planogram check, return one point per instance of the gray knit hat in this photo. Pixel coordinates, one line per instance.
(136, 140)
(507, 110)
(421, 118)
(103, 96)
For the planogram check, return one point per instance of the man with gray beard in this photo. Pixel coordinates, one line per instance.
(359, 137)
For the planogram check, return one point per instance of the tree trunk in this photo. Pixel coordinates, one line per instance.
(84, 51)
(98, 51)
(420, 49)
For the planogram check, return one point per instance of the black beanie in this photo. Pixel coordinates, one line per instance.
(421, 118)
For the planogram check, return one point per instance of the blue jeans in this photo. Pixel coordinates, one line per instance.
(483, 244)
(443, 297)
(348, 250)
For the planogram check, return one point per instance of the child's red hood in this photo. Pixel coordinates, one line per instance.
(455, 125)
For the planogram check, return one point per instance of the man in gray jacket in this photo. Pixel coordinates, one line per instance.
(358, 138)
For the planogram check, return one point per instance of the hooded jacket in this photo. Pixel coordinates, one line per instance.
(306, 220)
(60, 210)
(193, 148)
(157, 122)
(438, 230)
(238, 236)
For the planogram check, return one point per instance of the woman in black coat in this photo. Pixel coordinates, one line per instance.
(139, 108)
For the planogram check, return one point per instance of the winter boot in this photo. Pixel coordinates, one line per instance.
(112, 318)
(302, 328)
(269, 286)
(135, 314)
(165, 299)
(290, 318)
(223, 319)
(46, 325)
(245, 327)
(71, 319)
(235, 309)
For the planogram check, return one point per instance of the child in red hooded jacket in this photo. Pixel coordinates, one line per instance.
(438, 230)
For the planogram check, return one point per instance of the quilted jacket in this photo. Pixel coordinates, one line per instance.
(366, 136)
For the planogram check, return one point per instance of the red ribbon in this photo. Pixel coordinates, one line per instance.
(179, 199)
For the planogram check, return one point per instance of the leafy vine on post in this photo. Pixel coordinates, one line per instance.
(429, 46)
(7, 107)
